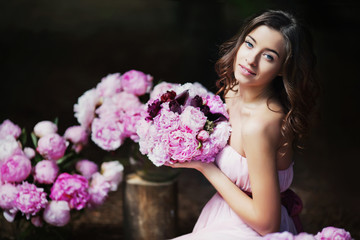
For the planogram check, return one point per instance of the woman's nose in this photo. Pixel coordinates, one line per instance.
(251, 59)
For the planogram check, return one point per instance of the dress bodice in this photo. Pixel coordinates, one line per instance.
(235, 167)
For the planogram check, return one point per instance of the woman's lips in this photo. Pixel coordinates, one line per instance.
(246, 71)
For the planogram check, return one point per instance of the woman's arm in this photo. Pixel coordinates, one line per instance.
(262, 212)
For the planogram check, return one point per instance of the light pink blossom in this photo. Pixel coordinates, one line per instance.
(52, 146)
(147, 134)
(279, 236)
(8, 147)
(30, 199)
(131, 120)
(86, 168)
(57, 213)
(333, 233)
(162, 88)
(166, 120)
(8, 128)
(126, 101)
(78, 136)
(8, 193)
(159, 154)
(46, 171)
(136, 82)
(98, 190)
(72, 189)
(193, 119)
(109, 85)
(37, 221)
(183, 146)
(15, 169)
(113, 172)
(29, 152)
(304, 236)
(44, 128)
(85, 107)
(203, 136)
(107, 133)
(216, 105)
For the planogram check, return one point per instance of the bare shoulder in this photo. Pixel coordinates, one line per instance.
(264, 122)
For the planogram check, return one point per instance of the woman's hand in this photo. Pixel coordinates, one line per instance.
(198, 165)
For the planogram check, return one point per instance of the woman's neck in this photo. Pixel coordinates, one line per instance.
(251, 95)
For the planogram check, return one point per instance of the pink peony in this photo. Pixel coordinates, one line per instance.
(203, 136)
(72, 189)
(131, 120)
(37, 221)
(147, 134)
(162, 88)
(78, 136)
(126, 101)
(29, 152)
(113, 173)
(216, 105)
(166, 120)
(52, 146)
(304, 236)
(279, 236)
(8, 128)
(44, 128)
(15, 169)
(86, 168)
(57, 213)
(98, 190)
(193, 119)
(136, 82)
(85, 108)
(8, 194)
(118, 106)
(107, 133)
(183, 146)
(8, 147)
(333, 233)
(46, 171)
(159, 154)
(30, 199)
(109, 85)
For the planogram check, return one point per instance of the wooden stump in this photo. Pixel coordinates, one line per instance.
(150, 209)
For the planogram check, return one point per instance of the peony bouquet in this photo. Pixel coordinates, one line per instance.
(38, 182)
(112, 109)
(183, 123)
(327, 233)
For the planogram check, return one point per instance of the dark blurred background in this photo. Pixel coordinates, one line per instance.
(51, 52)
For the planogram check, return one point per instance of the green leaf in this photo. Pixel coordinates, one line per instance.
(64, 158)
(56, 121)
(23, 137)
(34, 139)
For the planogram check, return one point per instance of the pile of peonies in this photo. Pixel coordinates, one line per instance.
(33, 182)
(183, 123)
(327, 233)
(112, 109)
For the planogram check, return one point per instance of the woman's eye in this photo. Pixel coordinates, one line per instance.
(249, 44)
(269, 57)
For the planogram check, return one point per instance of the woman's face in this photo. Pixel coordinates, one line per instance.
(260, 57)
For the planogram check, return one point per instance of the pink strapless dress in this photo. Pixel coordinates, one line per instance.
(218, 221)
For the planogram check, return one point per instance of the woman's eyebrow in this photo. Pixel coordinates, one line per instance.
(268, 49)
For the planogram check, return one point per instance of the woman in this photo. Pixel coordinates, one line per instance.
(266, 74)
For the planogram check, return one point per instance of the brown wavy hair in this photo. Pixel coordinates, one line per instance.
(297, 89)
